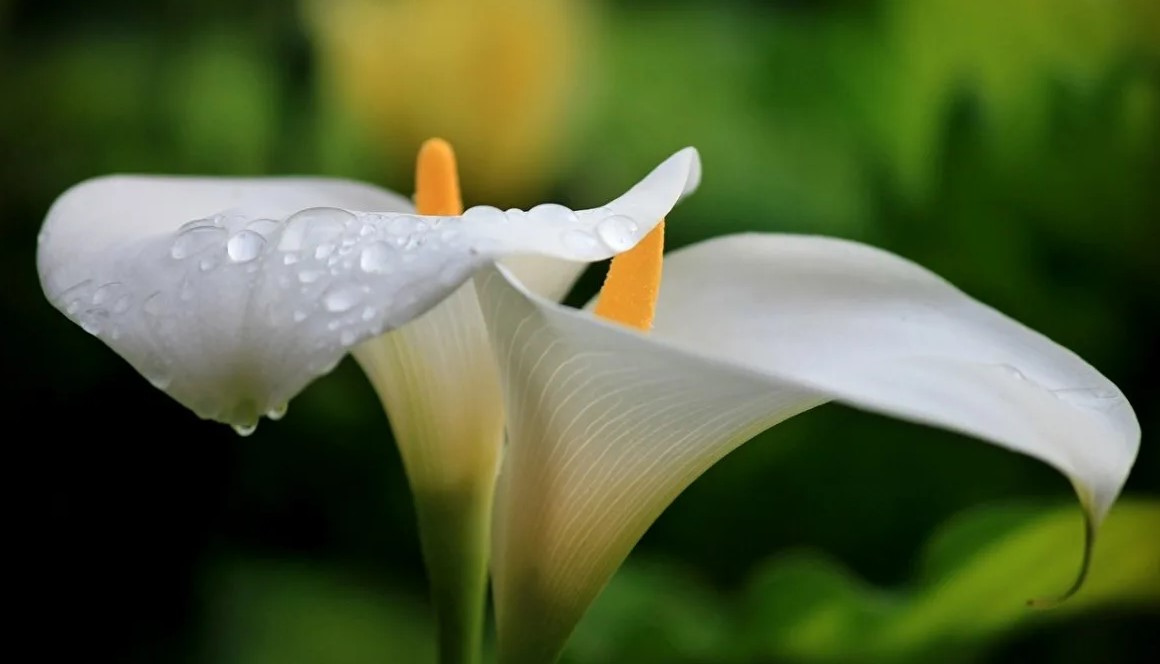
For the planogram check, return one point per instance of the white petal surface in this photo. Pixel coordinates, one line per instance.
(439, 386)
(607, 426)
(550, 278)
(232, 295)
(881, 333)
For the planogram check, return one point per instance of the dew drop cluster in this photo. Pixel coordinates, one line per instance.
(307, 286)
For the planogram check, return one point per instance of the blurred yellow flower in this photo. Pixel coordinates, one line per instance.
(498, 78)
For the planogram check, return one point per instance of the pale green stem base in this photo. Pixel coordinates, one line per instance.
(455, 530)
(544, 631)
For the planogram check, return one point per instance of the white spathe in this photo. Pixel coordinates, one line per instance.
(438, 381)
(231, 295)
(606, 425)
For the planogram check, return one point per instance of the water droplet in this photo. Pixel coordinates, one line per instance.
(1089, 397)
(245, 246)
(106, 292)
(580, 242)
(73, 307)
(406, 232)
(310, 276)
(341, 298)
(368, 313)
(245, 429)
(206, 264)
(75, 288)
(376, 258)
(485, 214)
(1012, 371)
(404, 224)
(122, 304)
(366, 230)
(277, 412)
(311, 227)
(618, 232)
(195, 237)
(348, 337)
(290, 259)
(299, 315)
(93, 320)
(265, 227)
(552, 213)
(322, 251)
(516, 214)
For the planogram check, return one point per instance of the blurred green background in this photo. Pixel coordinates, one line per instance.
(1012, 146)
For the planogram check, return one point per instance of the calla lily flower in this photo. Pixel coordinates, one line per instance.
(608, 421)
(438, 382)
(231, 295)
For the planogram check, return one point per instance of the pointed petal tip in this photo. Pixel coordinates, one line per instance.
(693, 172)
(1089, 540)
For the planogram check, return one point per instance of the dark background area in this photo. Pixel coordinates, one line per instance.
(1011, 146)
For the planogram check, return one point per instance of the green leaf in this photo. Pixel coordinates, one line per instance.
(975, 582)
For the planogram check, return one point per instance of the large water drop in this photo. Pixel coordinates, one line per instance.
(552, 213)
(160, 380)
(376, 258)
(245, 246)
(312, 227)
(195, 237)
(310, 276)
(485, 214)
(245, 429)
(105, 293)
(618, 232)
(341, 298)
(277, 412)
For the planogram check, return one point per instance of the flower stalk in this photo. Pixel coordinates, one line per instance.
(454, 529)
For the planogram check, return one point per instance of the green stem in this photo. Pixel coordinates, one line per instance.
(454, 529)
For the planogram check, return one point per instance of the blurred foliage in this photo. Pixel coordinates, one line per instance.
(1012, 146)
(974, 583)
(971, 587)
(279, 613)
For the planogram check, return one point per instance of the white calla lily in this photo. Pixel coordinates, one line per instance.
(606, 425)
(438, 382)
(231, 295)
